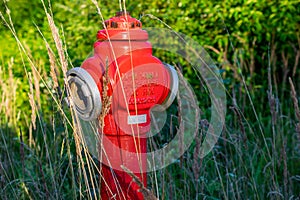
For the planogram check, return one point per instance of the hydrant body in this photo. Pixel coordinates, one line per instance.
(126, 73)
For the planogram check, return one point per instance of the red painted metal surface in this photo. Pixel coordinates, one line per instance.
(137, 81)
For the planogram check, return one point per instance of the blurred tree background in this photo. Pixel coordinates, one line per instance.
(242, 36)
(246, 38)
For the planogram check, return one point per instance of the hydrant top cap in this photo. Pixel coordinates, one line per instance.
(122, 20)
(122, 27)
(122, 13)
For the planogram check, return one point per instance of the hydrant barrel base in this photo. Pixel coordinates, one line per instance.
(118, 184)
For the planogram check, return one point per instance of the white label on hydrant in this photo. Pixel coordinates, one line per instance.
(137, 119)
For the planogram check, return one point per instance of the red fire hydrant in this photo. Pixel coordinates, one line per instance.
(136, 81)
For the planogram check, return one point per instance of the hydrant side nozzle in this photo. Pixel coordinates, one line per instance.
(174, 86)
(85, 94)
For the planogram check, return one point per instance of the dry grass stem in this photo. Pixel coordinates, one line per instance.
(53, 67)
(11, 90)
(32, 103)
(2, 176)
(148, 195)
(297, 110)
(297, 57)
(36, 82)
(36, 76)
(285, 59)
(22, 154)
(285, 170)
(106, 99)
(58, 44)
(196, 164)
(241, 124)
(272, 100)
(295, 100)
(40, 167)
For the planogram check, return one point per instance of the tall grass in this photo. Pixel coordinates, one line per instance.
(257, 156)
